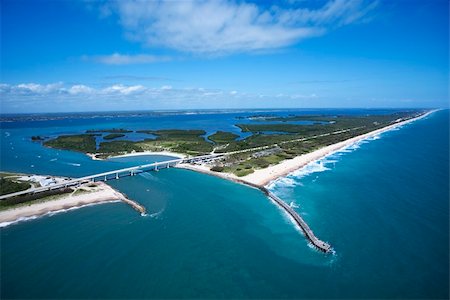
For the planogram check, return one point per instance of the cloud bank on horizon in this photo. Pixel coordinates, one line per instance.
(164, 97)
(221, 54)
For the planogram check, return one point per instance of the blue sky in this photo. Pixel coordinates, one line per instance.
(61, 56)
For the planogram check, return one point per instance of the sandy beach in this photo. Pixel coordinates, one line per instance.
(265, 176)
(102, 193)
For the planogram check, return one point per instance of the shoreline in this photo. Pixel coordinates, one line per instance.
(104, 194)
(93, 156)
(263, 177)
(267, 175)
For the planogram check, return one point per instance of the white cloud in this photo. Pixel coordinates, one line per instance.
(57, 96)
(30, 88)
(124, 59)
(218, 27)
(80, 89)
(123, 89)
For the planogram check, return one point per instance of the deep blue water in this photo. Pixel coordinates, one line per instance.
(383, 205)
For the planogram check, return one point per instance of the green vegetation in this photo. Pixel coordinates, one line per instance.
(8, 186)
(271, 148)
(81, 143)
(182, 141)
(301, 140)
(222, 137)
(113, 130)
(32, 198)
(217, 169)
(118, 147)
(112, 136)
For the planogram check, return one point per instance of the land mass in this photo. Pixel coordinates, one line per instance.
(268, 145)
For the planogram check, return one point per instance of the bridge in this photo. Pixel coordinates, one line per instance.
(131, 171)
(115, 174)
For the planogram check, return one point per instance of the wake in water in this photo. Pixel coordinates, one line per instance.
(148, 176)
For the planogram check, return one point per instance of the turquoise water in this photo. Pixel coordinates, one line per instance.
(383, 206)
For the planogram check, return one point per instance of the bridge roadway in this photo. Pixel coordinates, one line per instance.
(115, 173)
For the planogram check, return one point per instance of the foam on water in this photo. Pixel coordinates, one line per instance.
(292, 179)
(321, 165)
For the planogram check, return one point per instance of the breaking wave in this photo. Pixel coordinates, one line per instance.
(321, 165)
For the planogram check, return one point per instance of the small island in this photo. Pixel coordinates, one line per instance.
(112, 136)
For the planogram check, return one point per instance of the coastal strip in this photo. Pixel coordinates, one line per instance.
(265, 176)
(102, 193)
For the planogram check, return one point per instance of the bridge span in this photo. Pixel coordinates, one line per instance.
(115, 174)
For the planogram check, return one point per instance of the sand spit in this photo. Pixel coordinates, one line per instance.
(93, 156)
(94, 193)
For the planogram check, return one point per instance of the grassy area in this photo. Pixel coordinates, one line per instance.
(223, 137)
(8, 186)
(112, 136)
(80, 142)
(32, 198)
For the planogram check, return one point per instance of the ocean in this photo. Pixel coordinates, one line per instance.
(383, 204)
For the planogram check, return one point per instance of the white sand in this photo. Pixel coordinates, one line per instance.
(206, 170)
(101, 194)
(264, 176)
(161, 153)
